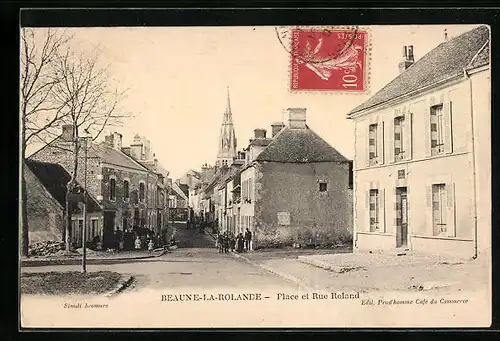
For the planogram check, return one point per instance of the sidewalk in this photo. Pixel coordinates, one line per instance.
(93, 257)
(368, 272)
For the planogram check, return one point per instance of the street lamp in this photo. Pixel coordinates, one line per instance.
(85, 139)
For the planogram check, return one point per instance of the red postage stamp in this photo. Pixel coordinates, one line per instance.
(328, 60)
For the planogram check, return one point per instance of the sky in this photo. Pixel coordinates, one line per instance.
(177, 79)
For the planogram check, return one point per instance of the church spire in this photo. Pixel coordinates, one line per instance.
(228, 114)
(227, 141)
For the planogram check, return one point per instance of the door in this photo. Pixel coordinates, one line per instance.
(108, 229)
(401, 217)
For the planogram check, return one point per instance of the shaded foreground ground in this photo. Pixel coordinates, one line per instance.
(71, 282)
(198, 264)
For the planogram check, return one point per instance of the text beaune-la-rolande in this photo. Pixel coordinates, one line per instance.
(211, 297)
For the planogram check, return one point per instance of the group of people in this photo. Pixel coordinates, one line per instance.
(228, 241)
(129, 240)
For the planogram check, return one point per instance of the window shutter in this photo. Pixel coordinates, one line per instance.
(447, 117)
(380, 142)
(366, 141)
(390, 141)
(367, 210)
(408, 136)
(382, 210)
(450, 209)
(428, 197)
(427, 137)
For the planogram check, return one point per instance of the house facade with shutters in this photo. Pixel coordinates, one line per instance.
(422, 174)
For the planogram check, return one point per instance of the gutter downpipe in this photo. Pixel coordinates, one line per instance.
(473, 163)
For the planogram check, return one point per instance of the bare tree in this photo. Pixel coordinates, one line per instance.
(40, 52)
(90, 102)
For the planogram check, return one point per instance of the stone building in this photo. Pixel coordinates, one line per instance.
(422, 155)
(295, 187)
(125, 188)
(46, 189)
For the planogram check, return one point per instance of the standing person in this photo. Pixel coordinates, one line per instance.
(226, 242)
(137, 243)
(151, 245)
(220, 242)
(240, 243)
(233, 242)
(248, 240)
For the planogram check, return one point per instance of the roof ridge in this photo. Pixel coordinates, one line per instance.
(105, 145)
(275, 138)
(440, 63)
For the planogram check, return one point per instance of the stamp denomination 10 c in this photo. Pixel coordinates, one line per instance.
(328, 59)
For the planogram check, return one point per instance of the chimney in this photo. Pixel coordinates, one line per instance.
(117, 141)
(109, 140)
(296, 118)
(67, 132)
(276, 127)
(407, 60)
(260, 133)
(136, 151)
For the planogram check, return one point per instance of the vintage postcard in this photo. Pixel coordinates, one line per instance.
(253, 177)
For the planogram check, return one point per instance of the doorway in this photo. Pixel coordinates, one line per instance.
(401, 217)
(108, 228)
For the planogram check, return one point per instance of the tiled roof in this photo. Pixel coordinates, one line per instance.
(184, 188)
(55, 178)
(115, 157)
(447, 60)
(482, 58)
(299, 146)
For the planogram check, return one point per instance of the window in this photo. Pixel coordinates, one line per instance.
(374, 210)
(283, 218)
(112, 189)
(141, 191)
(439, 209)
(94, 228)
(323, 186)
(437, 130)
(401, 174)
(372, 141)
(399, 129)
(126, 190)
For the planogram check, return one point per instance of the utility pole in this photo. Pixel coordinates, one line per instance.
(84, 237)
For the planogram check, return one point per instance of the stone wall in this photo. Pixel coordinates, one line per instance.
(289, 208)
(45, 214)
